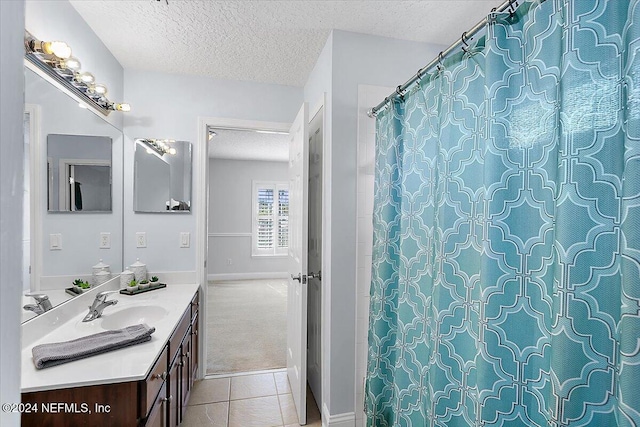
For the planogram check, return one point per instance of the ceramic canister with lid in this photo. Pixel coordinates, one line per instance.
(139, 270)
(101, 266)
(101, 277)
(126, 277)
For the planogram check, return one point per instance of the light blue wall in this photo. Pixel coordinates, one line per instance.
(168, 106)
(230, 212)
(11, 174)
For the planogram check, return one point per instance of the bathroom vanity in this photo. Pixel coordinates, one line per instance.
(148, 384)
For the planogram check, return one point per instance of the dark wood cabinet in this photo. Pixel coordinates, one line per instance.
(157, 401)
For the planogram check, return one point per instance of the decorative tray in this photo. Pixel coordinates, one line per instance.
(139, 291)
(75, 291)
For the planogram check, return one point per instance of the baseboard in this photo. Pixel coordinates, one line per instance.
(248, 276)
(348, 419)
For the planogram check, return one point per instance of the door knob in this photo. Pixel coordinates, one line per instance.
(317, 275)
(298, 277)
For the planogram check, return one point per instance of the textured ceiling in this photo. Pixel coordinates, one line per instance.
(248, 145)
(262, 41)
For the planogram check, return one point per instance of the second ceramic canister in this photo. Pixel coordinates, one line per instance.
(139, 270)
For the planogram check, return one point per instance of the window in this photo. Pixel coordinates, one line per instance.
(270, 218)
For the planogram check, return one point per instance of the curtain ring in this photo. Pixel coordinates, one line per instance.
(440, 59)
(464, 42)
(512, 9)
(399, 92)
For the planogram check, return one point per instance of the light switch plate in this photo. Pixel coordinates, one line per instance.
(105, 240)
(141, 239)
(185, 239)
(55, 242)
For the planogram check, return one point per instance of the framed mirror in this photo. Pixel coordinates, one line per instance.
(78, 173)
(162, 176)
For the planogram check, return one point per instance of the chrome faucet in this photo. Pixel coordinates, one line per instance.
(99, 304)
(42, 303)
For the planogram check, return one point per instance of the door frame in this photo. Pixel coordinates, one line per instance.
(201, 176)
(36, 205)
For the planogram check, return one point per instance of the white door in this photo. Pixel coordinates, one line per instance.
(314, 276)
(297, 289)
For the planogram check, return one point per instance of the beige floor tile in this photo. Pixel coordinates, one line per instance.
(257, 412)
(290, 415)
(210, 391)
(282, 382)
(288, 409)
(248, 386)
(209, 415)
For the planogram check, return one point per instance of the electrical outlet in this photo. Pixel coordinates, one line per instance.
(141, 239)
(105, 240)
(55, 242)
(185, 239)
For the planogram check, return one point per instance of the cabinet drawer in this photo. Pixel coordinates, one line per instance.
(178, 334)
(150, 387)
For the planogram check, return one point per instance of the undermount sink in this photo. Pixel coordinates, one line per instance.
(148, 314)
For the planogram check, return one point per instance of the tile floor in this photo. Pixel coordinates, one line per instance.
(252, 400)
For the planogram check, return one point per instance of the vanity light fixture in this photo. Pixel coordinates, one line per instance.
(55, 60)
(158, 146)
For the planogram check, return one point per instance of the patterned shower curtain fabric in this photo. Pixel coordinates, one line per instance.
(506, 261)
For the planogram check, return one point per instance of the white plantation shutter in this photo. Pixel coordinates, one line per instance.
(270, 218)
(283, 218)
(265, 218)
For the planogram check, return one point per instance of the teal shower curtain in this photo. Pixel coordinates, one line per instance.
(506, 260)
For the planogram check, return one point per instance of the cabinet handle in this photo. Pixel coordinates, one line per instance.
(195, 332)
(181, 364)
(188, 355)
(162, 376)
(167, 399)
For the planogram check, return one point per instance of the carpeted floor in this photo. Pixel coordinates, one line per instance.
(246, 326)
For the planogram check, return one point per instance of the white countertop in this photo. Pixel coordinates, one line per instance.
(128, 364)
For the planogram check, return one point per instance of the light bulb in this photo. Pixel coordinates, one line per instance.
(71, 64)
(100, 89)
(123, 107)
(172, 150)
(86, 77)
(59, 49)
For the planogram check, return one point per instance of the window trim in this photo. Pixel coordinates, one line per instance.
(274, 252)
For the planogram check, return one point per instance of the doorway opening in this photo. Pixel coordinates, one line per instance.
(248, 243)
(220, 262)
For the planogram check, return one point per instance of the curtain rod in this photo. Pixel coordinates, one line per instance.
(467, 35)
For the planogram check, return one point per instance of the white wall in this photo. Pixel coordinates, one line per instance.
(230, 216)
(355, 59)
(58, 20)
(167, 106)
(11, 171)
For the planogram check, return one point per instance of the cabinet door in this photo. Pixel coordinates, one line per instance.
(185, 374)
(194, 350)
(174, 394)
(158, 415)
